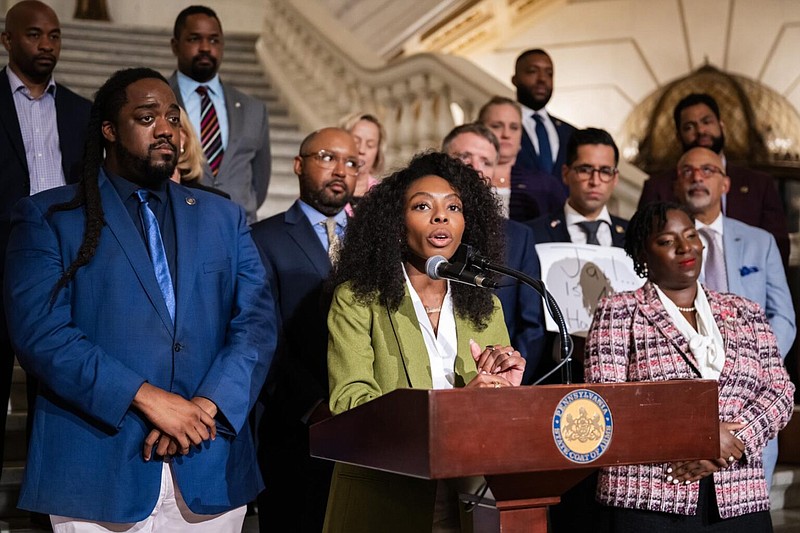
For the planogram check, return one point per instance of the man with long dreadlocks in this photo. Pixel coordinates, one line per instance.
(150, 342)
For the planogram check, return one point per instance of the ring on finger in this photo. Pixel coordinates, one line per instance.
(496, 384)
(731, 459)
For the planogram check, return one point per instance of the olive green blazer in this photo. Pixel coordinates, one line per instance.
(372, 351)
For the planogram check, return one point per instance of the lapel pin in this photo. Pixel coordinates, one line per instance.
(190, 200)
(554, 223)
(744, 189)
(619, 229)
(237, 105)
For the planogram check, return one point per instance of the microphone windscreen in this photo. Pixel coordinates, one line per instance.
(432, 266)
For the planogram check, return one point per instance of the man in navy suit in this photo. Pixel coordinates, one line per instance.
(142, 307)
(295, 248)
(475, 145)
(752, 196)
(590, 172)
(752, 262)
(544, 137)
(42, 131)
(238, 157)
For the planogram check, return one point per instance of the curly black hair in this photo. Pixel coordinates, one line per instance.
(649, 219)
(375, 244)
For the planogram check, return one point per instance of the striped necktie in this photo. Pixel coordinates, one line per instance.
(210, 134)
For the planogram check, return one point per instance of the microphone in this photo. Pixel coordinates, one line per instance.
(437, 267)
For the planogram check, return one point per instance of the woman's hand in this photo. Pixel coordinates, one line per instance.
(731, 449)
(498, 362)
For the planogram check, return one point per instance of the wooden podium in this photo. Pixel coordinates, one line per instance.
(508, 436)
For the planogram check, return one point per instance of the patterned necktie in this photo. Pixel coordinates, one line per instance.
(716, 277)
(210, 134)
(334, 242)
(590, 227)
(545, 154)
(155, 247)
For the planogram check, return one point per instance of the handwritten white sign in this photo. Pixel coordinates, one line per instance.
(579, 275)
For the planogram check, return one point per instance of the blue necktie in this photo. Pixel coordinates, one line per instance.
(545, 154)
(155, 247)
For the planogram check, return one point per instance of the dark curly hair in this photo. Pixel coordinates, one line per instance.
(646, 221)
(375, 243)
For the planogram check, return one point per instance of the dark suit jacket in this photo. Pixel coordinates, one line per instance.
(753, 199)
(297, 266)
(522, 306)
(110, 331)
(534, 194)
(553, 228)
(526, 158)
(247, 163)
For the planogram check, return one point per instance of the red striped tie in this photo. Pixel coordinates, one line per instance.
(210, 134)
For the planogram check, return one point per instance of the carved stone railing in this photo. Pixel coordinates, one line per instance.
(323, 74)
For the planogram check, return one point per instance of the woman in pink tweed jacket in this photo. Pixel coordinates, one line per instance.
(639, 336)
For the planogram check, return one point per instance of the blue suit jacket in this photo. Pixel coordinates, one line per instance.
(297, 265)
(755, 271)
(527, 159)
(109, 331)
(522, 306)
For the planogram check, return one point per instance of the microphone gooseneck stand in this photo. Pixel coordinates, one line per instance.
(550, 304)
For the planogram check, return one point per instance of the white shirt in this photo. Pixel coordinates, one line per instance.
(706, 342)
(529, 124)
(576, 233)
(442, 348)
(717, 227)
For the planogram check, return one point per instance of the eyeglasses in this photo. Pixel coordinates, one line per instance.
(687, 171)
(585, 172)
(329, 160)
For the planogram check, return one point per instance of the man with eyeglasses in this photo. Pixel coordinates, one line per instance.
(233, 127)
(752, 196)
(476, 146)
(738, 258)
(298, 248)
(590, 172)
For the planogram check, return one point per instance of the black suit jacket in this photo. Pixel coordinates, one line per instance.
(526, 158)
(553, 228)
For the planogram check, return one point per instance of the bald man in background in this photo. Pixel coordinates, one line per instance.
(42, 132)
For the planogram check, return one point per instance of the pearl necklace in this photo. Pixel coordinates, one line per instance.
(686, 309)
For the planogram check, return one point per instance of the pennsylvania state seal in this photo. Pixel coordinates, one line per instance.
(582, 426)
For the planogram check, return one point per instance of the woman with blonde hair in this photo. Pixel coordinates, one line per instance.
(370, 138)
(189, 169)
(528, 193)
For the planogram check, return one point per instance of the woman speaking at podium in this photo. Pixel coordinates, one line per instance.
(391, 326)
(675, 328)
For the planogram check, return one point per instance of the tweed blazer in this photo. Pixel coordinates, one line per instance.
(632, 338)
(372, 351)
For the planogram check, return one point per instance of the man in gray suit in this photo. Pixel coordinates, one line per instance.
(232, 127)
(748, 259)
